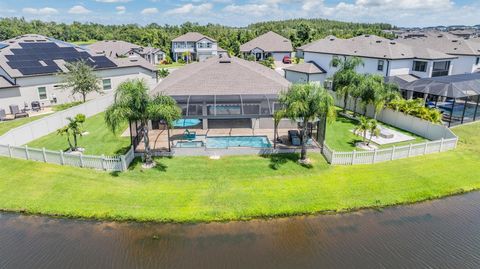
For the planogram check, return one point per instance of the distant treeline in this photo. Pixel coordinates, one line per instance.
(300, 31)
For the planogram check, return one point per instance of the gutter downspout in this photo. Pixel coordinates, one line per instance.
(388, 67)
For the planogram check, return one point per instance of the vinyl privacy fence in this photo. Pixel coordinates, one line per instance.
(106, 163)
(390, 154)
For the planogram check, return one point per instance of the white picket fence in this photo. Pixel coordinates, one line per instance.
(390, 154)
(106, 163)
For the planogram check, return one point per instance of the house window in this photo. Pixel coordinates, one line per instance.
(441, 69)
(380, 65)
(478, 61)
(419, 66)
(107, 84)
(42, 93)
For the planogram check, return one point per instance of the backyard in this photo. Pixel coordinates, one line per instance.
(5, 126)
(193, 189)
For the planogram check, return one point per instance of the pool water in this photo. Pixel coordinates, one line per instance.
(189, 144)
(186, 122)
(238, 141)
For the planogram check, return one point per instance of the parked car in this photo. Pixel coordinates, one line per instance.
(287, 60)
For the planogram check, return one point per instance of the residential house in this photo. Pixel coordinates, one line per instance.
(267, 45)
(465, 51)
(30, 64)
(380, 56)
(201, 47)
(117, 48)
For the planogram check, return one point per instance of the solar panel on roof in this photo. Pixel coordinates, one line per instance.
(26, 59)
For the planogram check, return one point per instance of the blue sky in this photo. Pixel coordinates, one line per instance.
(243, 12)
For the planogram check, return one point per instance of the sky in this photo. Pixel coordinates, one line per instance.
(405, 13)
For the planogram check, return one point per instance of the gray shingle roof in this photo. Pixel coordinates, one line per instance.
(111, 48)
(191, 37)
(444, 42)
(456, 86)
(306, 68)
(268, 42)
(218, 77)
(372, 46)
(14, 43)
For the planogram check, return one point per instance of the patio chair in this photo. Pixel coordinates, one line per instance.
(187, 135)
(3, 115)
(36, 106)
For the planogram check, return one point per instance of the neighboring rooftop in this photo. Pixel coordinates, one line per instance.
(443, 42)
(456, 86)
(306, 68)
(192, 37)
(223, 76)
(372, 46)
(268, 42)
(115, 48)
(31, 55)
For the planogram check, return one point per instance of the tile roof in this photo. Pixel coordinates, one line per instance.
(111, 48)
(372, 46)
(222, 76)
(191, 37)
(268, 42)
(306, 68)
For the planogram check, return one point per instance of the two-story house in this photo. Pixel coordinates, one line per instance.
(380, 56)
(201, 47)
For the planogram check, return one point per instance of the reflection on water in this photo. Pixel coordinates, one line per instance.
(439, 234)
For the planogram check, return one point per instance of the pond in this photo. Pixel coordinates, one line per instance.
(437, 234)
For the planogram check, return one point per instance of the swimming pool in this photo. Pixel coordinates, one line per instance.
(238, 141)
(186, 122)
(189, 144)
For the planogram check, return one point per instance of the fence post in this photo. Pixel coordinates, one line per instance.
(441, 144)
(27, 154)
(81, 160)
(425, 149)
(409, 150)
(124, 163)
(62, 158)
(354, 155)
(44, 155)
(393, 153)
(103, 162)
(375, 156)
(10, 151)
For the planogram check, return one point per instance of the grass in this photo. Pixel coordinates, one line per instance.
(172, 65)
(195, 189)
(6, 126)
(100, 139)
(340, 138)
(65, 106)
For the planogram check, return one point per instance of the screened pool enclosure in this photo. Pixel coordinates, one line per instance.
(457, 96)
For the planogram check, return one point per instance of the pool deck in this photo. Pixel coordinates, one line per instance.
(159, 139)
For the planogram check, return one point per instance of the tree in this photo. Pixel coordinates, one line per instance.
(362, 128)
(377, 93)
(73, 129)
(133, 104)
(307, 103)
(346, 78)
(80, 79)
(187, 56)
(269, 62)
(163, 73)
(373, 129)
(277, 117)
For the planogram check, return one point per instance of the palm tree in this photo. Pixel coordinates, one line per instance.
(307, 103)
(356, 91)
(73, 129)
(376, 92)
(132, 103)
(80, 79)
(374, 130)
(345, 79)
(362, 128)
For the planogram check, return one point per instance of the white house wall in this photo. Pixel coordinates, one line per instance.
(28, 91)
(464, 65)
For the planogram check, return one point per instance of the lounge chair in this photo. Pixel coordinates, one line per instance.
(3, 115)
(187, 135)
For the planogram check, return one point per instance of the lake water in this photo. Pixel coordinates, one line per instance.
(438, 234)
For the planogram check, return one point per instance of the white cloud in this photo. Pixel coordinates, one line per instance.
(121, 10)
(191, 9)
(149, 11)
(406, 4)
(113, 1)
(40, 11)
(257, 10)
(79, 10)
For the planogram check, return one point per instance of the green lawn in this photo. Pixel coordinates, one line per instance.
(172, 65)
(340, 138)
(100, 140)
(192, 189)
(6, 126)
